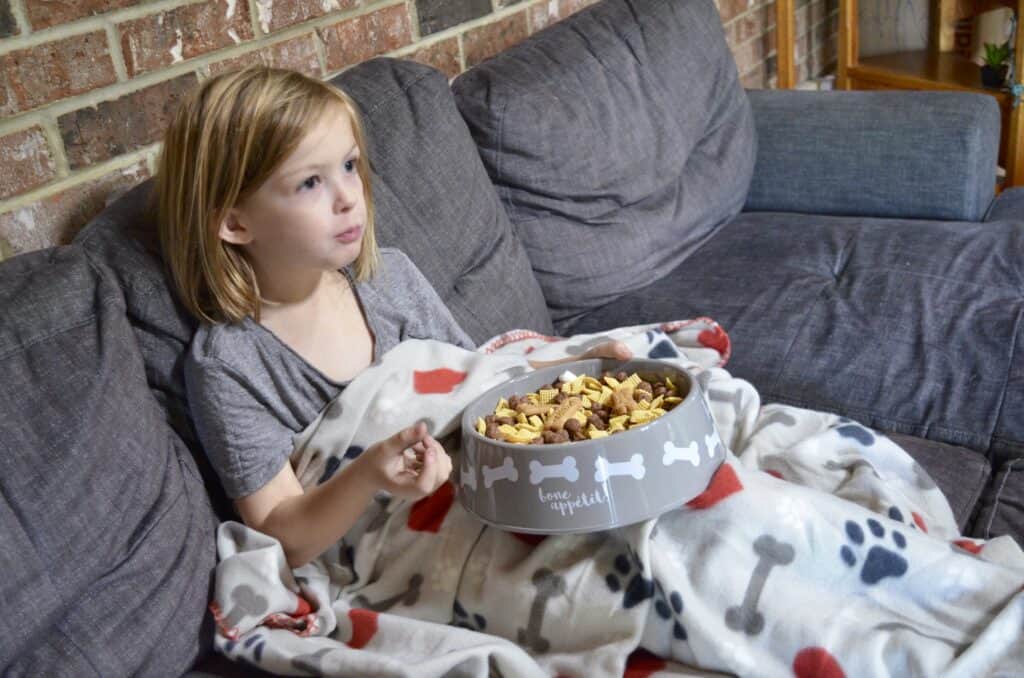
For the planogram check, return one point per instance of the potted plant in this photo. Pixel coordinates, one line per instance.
(993, 71)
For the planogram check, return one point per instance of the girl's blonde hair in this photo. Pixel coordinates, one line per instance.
(224, 141)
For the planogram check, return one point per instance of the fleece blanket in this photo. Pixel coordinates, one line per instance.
(820, 548)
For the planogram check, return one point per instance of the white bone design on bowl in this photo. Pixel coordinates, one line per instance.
(712, 441)
(507, 471)
(468, 476)
(567, 469)
(673, 453)
(606, 469)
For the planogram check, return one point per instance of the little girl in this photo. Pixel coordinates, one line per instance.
(267, 228)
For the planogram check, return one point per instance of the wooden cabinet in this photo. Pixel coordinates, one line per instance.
(937, 67)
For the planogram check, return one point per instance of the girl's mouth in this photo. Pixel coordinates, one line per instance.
(350, 235)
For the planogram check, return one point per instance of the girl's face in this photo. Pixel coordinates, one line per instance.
(311, 212)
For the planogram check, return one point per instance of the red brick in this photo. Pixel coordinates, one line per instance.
(56, 219)
(552, 11)
(573, 6)
(366, 36)
(46, 13)
(25, 162)
(748, 55)
(115, 127)
(298, 54)
(486, 41)
(730, 9)
(162, 39)
(281, 13)
(544, 14)
(755, 79)
(752, 23)
(444, 56)
(54, 70)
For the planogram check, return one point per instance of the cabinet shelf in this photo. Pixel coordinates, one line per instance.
(938, 67)
(923, 69)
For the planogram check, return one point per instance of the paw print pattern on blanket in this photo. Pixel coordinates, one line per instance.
(465, 620)
(638, 588)
(880, 562)
(917, 521)
(853, 430)
(333, 463)
(254, 643)
(661, 346)
(669, 608)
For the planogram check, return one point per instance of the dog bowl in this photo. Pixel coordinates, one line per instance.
(589, 485)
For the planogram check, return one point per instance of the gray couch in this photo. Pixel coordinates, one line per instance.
(608, 171)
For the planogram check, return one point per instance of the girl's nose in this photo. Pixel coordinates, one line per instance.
(346, 194)
(345, 198)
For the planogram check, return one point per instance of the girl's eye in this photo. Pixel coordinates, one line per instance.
(310, 182)
(350, 165)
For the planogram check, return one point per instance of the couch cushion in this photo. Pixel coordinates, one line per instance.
(960, 473)
(1002, 505)
(123, 239)
(619, 140)
(435, 202)
(907, 326)
(106, 534)
(911, 155)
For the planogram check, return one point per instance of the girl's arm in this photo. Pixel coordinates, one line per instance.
(409, 464)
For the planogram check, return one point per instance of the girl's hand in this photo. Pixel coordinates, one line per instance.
(409, 464)
(616, 350)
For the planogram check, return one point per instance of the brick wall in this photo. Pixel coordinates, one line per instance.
(87, 85)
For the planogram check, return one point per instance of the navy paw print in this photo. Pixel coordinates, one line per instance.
(333, 464)
(638, 588)
(669, 608)
(856, 432)
(663, 349)
(897, 515)
(256, 643)
(880, 562)
(463, 619)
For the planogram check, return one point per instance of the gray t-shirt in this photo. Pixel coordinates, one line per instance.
(249, 393)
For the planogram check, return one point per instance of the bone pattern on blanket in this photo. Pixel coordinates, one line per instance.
(434, 589)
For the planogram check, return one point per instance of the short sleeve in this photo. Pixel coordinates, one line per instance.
(432, 319)
(246, 444)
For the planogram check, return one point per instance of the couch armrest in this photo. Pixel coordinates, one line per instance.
(1007, 206)
(901, 154)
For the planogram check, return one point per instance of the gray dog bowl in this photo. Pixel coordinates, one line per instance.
(588, 485)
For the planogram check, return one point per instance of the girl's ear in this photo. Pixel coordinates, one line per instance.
(232, 230)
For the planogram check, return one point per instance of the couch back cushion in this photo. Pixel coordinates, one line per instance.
(619, 140)
(436, 203)
(106, 533)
